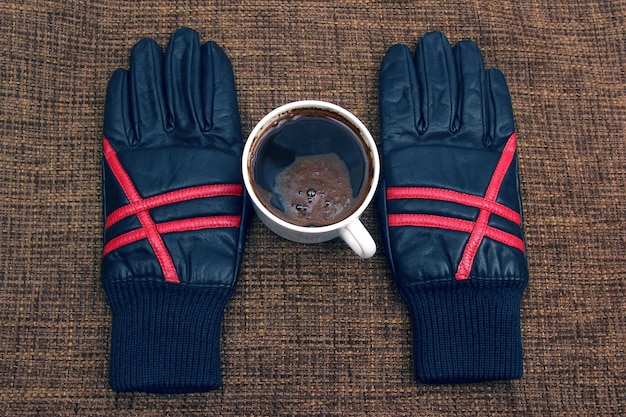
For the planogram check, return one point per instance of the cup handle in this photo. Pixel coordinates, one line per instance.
(359, 239)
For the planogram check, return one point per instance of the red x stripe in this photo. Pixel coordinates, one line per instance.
(203, 191)
(459, 225)
(478, 229)
(139, 206)
(198, 223)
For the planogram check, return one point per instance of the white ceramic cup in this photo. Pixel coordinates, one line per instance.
(349, 228)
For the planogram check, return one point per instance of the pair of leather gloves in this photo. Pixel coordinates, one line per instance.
(176, 212)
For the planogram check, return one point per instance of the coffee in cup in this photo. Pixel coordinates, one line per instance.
(311, 168)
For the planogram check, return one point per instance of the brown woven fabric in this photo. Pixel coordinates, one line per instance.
(313, 330)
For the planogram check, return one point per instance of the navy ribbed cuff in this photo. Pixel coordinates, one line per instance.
(165, 337)
(466, 332)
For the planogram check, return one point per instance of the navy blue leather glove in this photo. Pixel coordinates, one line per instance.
(450, 209)
(175, 213)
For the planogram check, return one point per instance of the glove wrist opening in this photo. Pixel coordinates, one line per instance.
(165, 337)
(466, 333)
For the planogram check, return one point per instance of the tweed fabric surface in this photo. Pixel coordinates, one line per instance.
(314, 330)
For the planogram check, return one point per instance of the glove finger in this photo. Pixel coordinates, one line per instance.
(148, 108)
(436, 75)
(117, 126)
(220, 110)
(182, 80)
(500, 110)
(399, 101)
(471, 70)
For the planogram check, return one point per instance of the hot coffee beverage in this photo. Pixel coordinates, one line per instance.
(309, 168)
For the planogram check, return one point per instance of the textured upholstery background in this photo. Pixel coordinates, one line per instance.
(313, 330)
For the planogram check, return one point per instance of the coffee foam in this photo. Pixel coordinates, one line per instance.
(314, 190)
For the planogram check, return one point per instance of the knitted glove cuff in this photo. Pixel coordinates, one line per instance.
(165, 338)
(466, 332)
